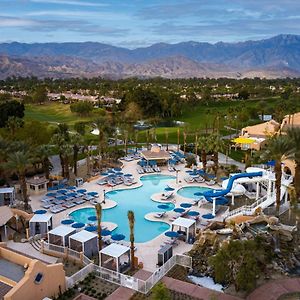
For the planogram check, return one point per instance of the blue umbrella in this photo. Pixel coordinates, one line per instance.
(185, 205)
(189, 171)
(72, 187)
(67, 222)
(270, 163)
(91, 228)
(95, 194)
(81, 191)
(62, 191)
(169, 189)
(110, 171)
(117, 169)
(193, 213)
(92, 218)
(78, 225)
(118, 237)
(105, 232)
(179, 210)
(40, 212)
(163, 206)
(211, 176)
(61, 198)
(208, 216)
(52, 188)
(119, 173)
(111, 176)
(71, 194)
(172, 234)
(128, 175)
(198, 194)
(51, 194)
(104, 174)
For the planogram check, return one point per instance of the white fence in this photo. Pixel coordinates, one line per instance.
(142, 286)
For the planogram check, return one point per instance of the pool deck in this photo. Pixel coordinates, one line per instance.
(145, 251)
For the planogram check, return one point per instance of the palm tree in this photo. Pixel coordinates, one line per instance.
(103, 126)
(294, 136)
(167, 139)
(131, 221)
(43, 152)
(13, 124)
(19, 162)
(277, 149)
(216, 144)
(202, 144)
(178, 139)
(76, 140)
(98, 208)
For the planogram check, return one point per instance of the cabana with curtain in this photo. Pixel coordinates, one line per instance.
(84, 241)
(60, 235)
(115, 257)
(40, 224)
(188, 226)
(156, 154)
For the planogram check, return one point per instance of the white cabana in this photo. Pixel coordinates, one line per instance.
(40, 224)
(115, 257)
(60, 235)
(84, 241)
(188, 225)
(7, 196)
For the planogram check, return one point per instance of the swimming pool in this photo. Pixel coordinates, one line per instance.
(138, 200)
(188, 191)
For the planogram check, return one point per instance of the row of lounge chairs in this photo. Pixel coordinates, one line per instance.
(131, 157)
(117, 181)
(148, 169)
(191, 179)
(172, 168)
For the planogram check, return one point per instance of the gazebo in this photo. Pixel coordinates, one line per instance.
(40, 224)
(60, 235)
(84, 241)
(5, 215)
(115, 257)
(7, 196)
(188, 225)
(37, 185)
(156, 154)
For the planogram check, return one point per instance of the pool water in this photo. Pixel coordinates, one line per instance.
(188, 192)
(138, 200)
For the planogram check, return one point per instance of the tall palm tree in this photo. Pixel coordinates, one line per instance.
(278, 148)
(98, 208)
(294, 136)
(43, 153)
(216, 144)
(103, 126)
(131, 221)
(202, 144)
(13, 124)
(178, 139)
(76, 141)
(167, 139)
(19, 162)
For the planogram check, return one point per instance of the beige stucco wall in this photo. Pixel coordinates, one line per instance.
(290, 164)
(53, 281)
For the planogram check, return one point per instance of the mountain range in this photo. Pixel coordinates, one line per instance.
(275, 57)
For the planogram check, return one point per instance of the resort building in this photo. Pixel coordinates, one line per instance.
(40, 224)
(290, 121)
(85, 242)
(7, 196)
(258, 133)
(37, 185)
(24, 278)
(156, 154)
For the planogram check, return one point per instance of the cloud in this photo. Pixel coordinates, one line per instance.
(70, 2)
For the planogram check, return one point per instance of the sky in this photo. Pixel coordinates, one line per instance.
(140, 23)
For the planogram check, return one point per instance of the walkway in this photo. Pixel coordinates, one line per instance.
(274, 289)
(230, 161)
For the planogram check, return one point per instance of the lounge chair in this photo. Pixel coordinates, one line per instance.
(211, 182)
(47, 205)
(78, 202)
(88, 197)
(167, 196)
(102, 181)
(199, 179)
(189, 179)
(170, 168)
(69, 204)
(160, 215)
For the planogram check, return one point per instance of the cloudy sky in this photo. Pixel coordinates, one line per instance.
(138, 23)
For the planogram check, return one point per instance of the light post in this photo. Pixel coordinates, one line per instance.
(103, 197)
(177, 176)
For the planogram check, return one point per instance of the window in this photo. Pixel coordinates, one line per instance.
(38, 278)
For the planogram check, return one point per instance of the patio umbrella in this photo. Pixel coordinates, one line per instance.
(78, 225)
(193, 213)
(172, 234)
(104, 174)
(93, 194)
(163, 206)
(40, 212)
(62, 191)
(270, 163)
(208, 216)
(185, 205)
(52, 188)
(71, 194)
(169, 189)
(91, 228)
(51, 194)
(119, 173)
(105, 232)
(72, 187)
(198, 194)
(81, 191)
(243, 140)
(117, 169)
(128, 175)
(110, 171)
(179, 210)
(92, 218)
(61, 198)
(67, 222)
(111, 176)
(211, 176)
(117, 237)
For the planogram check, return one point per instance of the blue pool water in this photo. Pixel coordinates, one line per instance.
(138, 200)
(188, 192)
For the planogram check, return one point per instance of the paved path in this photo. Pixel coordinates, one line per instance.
(274, 289)
(230, 161)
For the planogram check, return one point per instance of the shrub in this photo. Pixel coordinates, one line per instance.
(160, 292)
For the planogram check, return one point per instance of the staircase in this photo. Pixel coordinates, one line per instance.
(36, 244)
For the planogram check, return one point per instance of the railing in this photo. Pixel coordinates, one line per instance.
(79, 276)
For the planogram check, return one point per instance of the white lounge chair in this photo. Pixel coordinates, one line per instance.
(160, 215)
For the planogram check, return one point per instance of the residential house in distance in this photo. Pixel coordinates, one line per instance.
(290, 121)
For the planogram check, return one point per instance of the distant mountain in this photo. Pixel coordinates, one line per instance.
(275, 57)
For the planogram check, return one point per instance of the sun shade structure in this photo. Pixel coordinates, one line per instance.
(243, 140)
(172, 234)
(40, 224)
(163, 206)
(5, 215)
(40, 212)
(67, 222)
(78, 225)
(160, 156)
(7, 196)
(118, 237)
(188, 225)
(179, 209)
(60, 235)
(193, 213)
(84, 241)
(92, 218)
(115, 257)
(186, 205)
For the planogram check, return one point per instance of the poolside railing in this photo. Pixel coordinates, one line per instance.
(80, 275)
